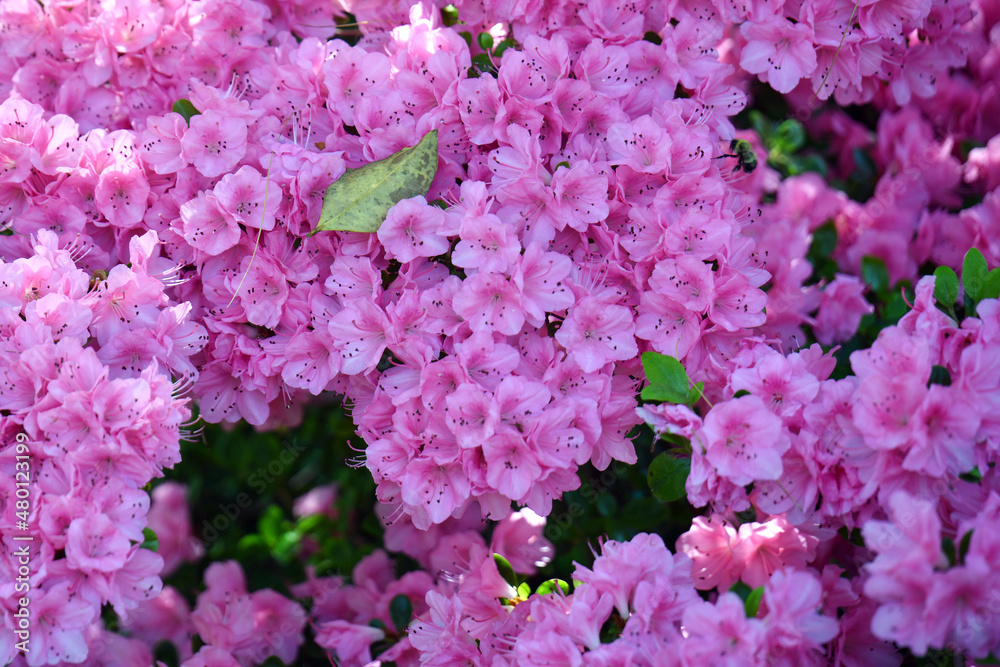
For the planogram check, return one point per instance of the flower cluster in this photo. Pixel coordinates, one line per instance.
(637, 604)
(162, 171)
(85, 365)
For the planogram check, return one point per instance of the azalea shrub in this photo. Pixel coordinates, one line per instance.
(686, 352)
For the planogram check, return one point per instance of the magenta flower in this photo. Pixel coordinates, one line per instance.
(490, 302)
(743, 440)
(214, 143)
(249, 198)
(779, 50)
(439, 490)
(595, 333)
(413, 229)
(95, 544)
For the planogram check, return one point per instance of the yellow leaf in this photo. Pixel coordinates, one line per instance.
(360, 199)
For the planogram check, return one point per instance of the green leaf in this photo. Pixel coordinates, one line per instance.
(973, 476)
(186, 109)
(524, 591)
(250, 544)
(503, 46)
(400, 612)
(551, 586)
(360, 199)
(449, 15)
(810, 162)
(740, 589)
(150, 540)
(607, 505)
(668, 381)
(762, 125)
(741, 393)
(963, 546)
(896, 306)
(269, 525)
(991, 287)
(789, 137)
(939, 375)
(752, 603)
(308, 524)
(948, 547)
(945, 286)
(824, 240)
(481, 62)
(485, 41)
(667, 477)
(506, 570)
(286, 547)
(874, 273)
(695, 393)
(974, 272)
(865, 164)
(676, 441)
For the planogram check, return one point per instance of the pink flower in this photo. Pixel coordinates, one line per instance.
(206, 227)
(439, 490)
(944, 435)
(541, 279)
(137, 581)
(711, 544)
(738, 304)
(249, 198)
(211, 656)
(779, 50)
(58, 619)
(764, 548)
(520, 539)
(95, 544)
(784, 383)
(160, 144)
(490, 302)
(595, 333)
(214, 143)
(623, 565)
(721, 634)
(413, 229)
(669, 418)
(121, 195)
(842, 305)
(223, 615)
(743, 440)
(580, 197)
(359, 331)
(511, 466)
(165, 617)
(686, 281)
(277, 627)
(350, 641)
(641, 145)
(486, 245)
(795, 628)
(170, 518)
(311, 362)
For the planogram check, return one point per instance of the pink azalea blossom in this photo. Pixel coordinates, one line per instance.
(743, 440)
